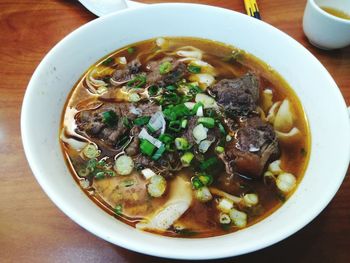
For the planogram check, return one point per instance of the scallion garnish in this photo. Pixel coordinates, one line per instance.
(208, 163)
(196, 183)
(171, 88)
(221, 128)
(166, 138)
(159, 153)
(194, 69)
(184, 123)
(137, 82)
(206, 179)
(108, 61)
(146, 147)
(219, 149)
(141, 120)
(181, 143)
(175, 125)
(194, 89)
(207, 122)
(118, 209)
(110, 118)
(196, 107)
(165, 67)
(186, 159)
(131, 50)
(153, 90)
(176, 112)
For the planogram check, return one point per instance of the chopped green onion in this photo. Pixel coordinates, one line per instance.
(171, 98)
(196, 183)
(165, 67)
(156, 122)
(110, 118)
(153, 90)
(175, 126)
(208, 101)
(91, 151)
(91, 164)
(139, 80)
(219, 149)
(228, 138)
(181, 143)
(194, 69)
(146, 147)
(184, 123)
(128, 182)
(159, 153)
(118, 209)
(224, 219)
(200, 133)
(124, 165)
(100, 175)
(166, 138)
(131, 50)
(221, 128)
(108, 61)
(134, 97)
(203, 194)
(210, 113)
(83, 172)
(207, 122)
(147, 173)
(176, 112)
(157, 186)
(196, 107)
(186, 159)
(171, 88)
(141, 120)
(194, 89)
(208, 163)
(206, 179)
(238, 218)
(145, 135)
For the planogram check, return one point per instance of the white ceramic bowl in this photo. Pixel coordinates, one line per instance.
(65, 63)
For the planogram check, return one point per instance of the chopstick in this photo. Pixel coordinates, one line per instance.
(252, 9)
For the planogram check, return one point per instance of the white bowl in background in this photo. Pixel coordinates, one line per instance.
(65, 63)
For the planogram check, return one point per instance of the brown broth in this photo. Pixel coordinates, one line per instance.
(202, 218)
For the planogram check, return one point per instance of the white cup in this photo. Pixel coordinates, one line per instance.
(324, 30)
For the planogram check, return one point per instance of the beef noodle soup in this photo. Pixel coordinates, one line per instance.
(185, 137)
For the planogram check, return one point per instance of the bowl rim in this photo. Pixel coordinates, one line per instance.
(134, 246)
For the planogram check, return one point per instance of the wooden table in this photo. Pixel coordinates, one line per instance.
(33, 229)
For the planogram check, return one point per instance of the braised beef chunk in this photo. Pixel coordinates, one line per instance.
(121, 76)
(238, 97)
(178, 70)
(255, 144)
(109, 122)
